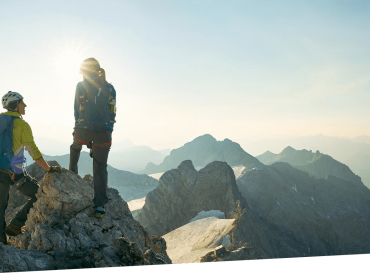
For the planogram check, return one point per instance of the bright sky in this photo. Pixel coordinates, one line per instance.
(184, 68)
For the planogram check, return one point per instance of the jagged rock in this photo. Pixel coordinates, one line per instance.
(62, 224)
(222, 254)
(14, 260)
(184, 192)
(204, 150)
(38, 172)
(89, 179)
(217, 254)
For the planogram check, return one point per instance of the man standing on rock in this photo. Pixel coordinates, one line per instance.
(15, 136)
(95, 113)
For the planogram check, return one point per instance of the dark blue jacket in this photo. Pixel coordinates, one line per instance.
(80, 90)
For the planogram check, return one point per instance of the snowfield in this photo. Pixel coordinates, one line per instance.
(156, 175)
(189, 243)
(238, 170)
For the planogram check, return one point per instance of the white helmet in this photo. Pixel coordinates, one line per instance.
(10, 97)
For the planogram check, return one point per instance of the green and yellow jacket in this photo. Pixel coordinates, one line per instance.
(22, 137)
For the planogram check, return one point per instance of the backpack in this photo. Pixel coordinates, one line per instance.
(94, 108)
(6, 141)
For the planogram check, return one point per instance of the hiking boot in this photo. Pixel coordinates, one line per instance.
(11, 230)
(99, 211)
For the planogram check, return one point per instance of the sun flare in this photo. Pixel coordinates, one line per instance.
(66, 58)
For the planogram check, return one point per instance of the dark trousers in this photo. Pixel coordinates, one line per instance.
(101, 143)
(29, 188)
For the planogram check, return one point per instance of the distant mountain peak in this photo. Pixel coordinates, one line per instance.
(203, 150)
(205, 137)
(288, 150)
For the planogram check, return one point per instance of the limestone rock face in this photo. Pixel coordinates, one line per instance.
(38, 172)
(204, 150)
(62, 225)
(184, 192)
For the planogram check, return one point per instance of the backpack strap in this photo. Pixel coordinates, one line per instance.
(12, 122)
(22, 160)
(83, 98)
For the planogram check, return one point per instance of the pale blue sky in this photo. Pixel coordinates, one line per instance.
(234, 69)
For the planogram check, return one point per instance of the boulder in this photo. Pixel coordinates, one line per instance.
(62, 225)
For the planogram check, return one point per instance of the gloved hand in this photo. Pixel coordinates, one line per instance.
(55, 169)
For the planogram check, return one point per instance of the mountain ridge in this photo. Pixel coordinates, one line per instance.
(316, 164)
(203, 150)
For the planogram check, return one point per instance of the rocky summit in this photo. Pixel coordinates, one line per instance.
(184, 192)
(61, 231)
(204, 150)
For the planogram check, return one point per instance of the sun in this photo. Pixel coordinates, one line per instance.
(67, 57)
(67, 60)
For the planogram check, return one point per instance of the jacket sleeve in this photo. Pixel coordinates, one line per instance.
(28, 142)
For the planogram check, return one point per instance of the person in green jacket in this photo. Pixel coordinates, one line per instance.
(22, 139)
